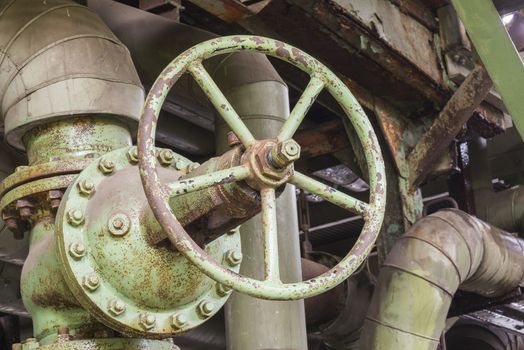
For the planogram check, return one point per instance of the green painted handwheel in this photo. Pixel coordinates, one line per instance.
(265, 165)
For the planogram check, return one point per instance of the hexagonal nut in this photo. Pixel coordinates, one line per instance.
(132, 155)
(147, 321)
(166, 157)
(106, 166)
(119, 224)
(266, 169)
(233, 257)
(91, 282)
(86, 187)
(77, 250)
(206, 308)
(286, 152)
(178, 321)
(223, 290)
(117, 307)
(75, 217)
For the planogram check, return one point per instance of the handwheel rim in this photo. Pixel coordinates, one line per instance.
(158, 197)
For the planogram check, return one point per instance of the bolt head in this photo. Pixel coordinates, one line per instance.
(86, 187)
(77, 250)
(287, 152)
(178, 321)
(117, 307)
(222, 289)
(119, 224)
(206, 308)
(106, 166)
(147, 320)
(91, 282)
(75, 217)
(233, 257)
(132, 155)
(166, 157)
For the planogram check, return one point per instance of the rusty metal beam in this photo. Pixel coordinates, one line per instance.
(445, 128)
(231, 10)
(325, 138)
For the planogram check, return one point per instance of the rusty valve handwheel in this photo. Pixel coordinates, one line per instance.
(266, 164)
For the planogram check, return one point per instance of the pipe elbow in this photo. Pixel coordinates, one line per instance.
(441, 253)
(59, 59)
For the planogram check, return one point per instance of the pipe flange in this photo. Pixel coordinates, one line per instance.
(119, 276)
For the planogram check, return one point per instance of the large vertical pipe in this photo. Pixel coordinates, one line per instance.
(255, 323)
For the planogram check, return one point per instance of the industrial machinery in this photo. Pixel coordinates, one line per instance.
(163, 189)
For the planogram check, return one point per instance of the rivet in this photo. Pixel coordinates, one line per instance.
(91, 282)
(116, 307)
(106, 166)
(132, 155)
(206, 308)
(166, 157)
(77, 250)
(147, 320)
(233, 257)
(119, 224)
(180, 164)
(75, 217)
(86, 187)
(222, 289)
(178, 321)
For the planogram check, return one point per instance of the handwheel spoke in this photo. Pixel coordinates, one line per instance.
(200, 182)
(329, 193)
(269, 229)
(221, 103)
(313, 88)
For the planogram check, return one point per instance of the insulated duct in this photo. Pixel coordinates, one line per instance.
(58, 59)
(439, 254)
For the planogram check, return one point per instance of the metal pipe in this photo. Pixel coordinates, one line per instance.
(284, 321)
(58, 59)
(439, 254)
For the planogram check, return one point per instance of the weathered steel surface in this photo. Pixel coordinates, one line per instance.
(496, 50)
(439, 254)
(232, 10)
(445, 128)
(189, 60)
(110, 264)
(106, 344)
(325, 138)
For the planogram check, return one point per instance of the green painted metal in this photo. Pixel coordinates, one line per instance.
(284, 320)
(269, 223)
(441, 253)
(105, 344)
(158, 198)
(497, 51)
(118, 275)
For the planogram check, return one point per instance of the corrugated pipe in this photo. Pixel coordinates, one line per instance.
(441, 253)
(58, 59)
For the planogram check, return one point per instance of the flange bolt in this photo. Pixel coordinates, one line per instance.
(92, 282)
(106, 166)
(222, 289)
(166, 157)
(77, 250)
(233, 257)
(117, 307)
(178, 321)
(132, 155)
(119, 224)
(86, 187)
(75, 217)
(206, 308)
(147, 320)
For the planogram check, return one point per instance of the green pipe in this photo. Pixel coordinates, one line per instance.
(497, 51)
(253, 323)
(441, 253)
(76, 137)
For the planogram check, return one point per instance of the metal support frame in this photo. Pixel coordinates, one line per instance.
(497, 51)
